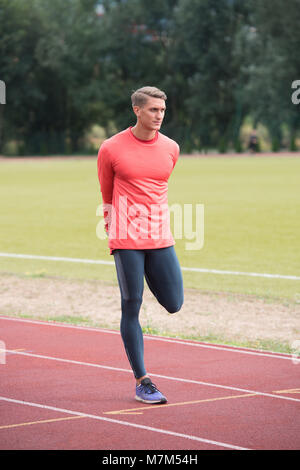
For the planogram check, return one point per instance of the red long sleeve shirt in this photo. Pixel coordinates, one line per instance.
(133, 176)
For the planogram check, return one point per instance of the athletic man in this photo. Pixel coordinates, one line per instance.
(133, 168)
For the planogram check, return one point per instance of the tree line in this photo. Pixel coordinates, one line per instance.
(73, 63)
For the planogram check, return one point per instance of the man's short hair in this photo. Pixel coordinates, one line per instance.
(140, 96)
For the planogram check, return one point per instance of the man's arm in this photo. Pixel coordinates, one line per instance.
(176, 154)
(106, 180)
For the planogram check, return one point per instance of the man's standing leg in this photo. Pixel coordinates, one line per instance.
(130, 273)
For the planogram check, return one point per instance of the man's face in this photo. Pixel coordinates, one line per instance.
(151, 115)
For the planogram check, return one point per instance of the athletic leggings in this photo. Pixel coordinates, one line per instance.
(161, 269)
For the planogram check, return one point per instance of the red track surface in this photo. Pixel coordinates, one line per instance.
(65, 387)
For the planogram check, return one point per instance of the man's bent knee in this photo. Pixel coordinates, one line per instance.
(175, 307)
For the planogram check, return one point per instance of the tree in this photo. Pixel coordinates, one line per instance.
(273, 63)
(133, 52)
(69, 64)
(20, 29)
(48, 61)
(209, 72)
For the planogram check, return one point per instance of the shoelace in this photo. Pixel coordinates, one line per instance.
(150, 388)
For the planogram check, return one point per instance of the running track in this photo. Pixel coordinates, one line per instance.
(66, 387)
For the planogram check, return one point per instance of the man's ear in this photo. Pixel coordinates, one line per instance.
(136, 110)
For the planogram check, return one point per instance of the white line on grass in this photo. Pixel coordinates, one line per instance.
(199, 270)
(124, 423)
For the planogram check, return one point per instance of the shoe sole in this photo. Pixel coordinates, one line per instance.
(151, 402)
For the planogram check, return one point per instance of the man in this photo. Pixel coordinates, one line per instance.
(133, 168)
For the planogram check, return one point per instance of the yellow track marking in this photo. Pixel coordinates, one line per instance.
(138, 410)
(291, 390)
(55, 420)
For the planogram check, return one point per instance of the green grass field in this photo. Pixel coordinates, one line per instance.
(251, 215)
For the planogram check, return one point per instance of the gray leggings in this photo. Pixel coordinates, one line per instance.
(161, 269)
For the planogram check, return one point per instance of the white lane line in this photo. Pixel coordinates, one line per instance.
(223, 348)
(56, 258)
(254, 352)
(199, 270)
(241, 273)
(178, 379)
(125, 423)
